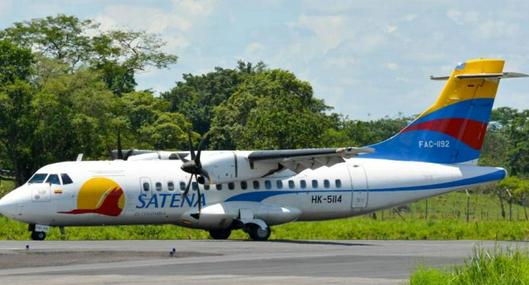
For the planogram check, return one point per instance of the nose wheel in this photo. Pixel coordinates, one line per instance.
(38, 235)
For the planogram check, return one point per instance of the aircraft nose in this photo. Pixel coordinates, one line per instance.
(9, 203)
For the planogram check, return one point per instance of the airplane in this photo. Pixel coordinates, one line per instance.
(222, 191)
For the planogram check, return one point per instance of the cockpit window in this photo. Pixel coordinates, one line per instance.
(38, 178)
(66, 179)
(53, 179)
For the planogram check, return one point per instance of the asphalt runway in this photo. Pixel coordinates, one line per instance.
(226, 262)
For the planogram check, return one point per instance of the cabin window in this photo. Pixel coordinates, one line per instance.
(291, 184)
(279, 184)
(218, 186)
(268, 184)
(303, 184)
(314, 184)
(170, 186)
(326, 184)
(338, 183)
(38, 178)
(182, 186)
(244, 185)
(66, 179)
(158, 186)
(194, 185)
(231, 185)
(255, 184)
(146, 186)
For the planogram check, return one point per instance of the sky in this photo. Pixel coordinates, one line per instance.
(367, 59)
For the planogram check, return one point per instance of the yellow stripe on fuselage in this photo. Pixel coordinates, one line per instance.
(457, 90)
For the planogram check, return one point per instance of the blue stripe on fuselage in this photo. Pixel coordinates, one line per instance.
(259, 196)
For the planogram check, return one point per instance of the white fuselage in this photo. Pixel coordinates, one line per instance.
(152, 192)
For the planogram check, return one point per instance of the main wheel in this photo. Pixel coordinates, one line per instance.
(220, 234)
(256, 233)
(38, 235)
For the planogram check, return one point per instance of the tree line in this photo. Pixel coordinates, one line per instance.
(67, 87)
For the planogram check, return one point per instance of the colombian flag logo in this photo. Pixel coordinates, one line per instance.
(99, 196)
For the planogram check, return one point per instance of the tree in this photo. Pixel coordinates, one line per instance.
(15, 107)
(147, 123)
(270, 109)
(197, 95)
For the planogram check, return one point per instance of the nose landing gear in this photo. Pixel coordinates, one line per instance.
(38, 235)
(38, 232)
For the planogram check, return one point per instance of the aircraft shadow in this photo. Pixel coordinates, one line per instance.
(319, 242)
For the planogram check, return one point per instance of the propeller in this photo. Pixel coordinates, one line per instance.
(194, 167)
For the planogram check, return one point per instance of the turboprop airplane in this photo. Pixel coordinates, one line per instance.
(221, 191)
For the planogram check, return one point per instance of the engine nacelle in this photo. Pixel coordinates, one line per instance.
(231, 166)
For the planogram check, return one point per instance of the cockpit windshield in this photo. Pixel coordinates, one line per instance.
(38, 178)
(53, 179)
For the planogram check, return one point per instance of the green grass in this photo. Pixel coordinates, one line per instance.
(347, 229)
(485, 267)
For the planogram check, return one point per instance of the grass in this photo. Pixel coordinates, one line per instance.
(485, 267)
(347, 229)
(446, 220)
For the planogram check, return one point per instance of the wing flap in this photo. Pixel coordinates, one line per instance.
(298, 160)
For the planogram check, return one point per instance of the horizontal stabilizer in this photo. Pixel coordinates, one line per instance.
(494, 76)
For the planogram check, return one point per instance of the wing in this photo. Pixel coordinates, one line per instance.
(298, 160)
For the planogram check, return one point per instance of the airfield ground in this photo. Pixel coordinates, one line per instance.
(226, 262)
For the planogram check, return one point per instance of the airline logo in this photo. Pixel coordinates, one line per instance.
(99, 196)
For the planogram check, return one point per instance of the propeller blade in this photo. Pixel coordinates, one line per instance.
(197, 215)
(191, 150)
(182, 157)
(201, 147)
(188, 186)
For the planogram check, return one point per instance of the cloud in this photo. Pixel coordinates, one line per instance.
(176, 23)
(391, 66)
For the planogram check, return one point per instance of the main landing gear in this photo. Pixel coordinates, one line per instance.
(254, 231)
(257, 233)
(220, 234)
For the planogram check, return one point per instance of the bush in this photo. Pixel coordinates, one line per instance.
(495, 267)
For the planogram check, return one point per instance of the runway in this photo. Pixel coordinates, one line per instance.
(225, 262)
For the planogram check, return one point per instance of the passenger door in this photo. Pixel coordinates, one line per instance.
(360, 188)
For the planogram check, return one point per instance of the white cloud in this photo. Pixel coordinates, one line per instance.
(176, 24)
(391, 29)
(254, 48)
(329, 31)
(391, 66)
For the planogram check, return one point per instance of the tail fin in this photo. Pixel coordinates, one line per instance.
(453, 128)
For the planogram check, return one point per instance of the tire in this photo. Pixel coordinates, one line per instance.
(38, 235)
(257, 234)
(220, 234)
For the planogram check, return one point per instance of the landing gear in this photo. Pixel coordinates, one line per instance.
(38, 235)
(38, 232)
(257, 233)
(220, 234)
